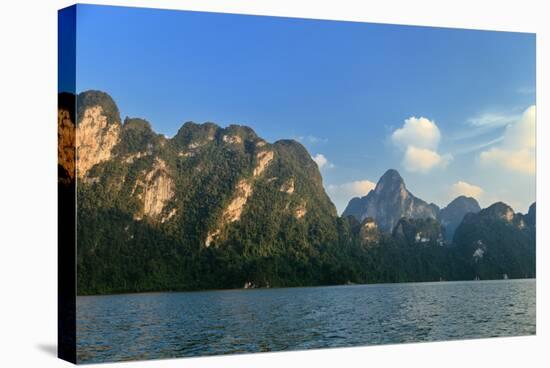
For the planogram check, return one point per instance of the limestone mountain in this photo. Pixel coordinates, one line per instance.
(389, 202)
(496, 243)
(66, 166)
(452, 215)
(172, 199)
(216, 207)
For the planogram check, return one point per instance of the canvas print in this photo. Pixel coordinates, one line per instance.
(240, 184)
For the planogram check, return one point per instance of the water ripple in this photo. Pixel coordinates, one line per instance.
(166, 325)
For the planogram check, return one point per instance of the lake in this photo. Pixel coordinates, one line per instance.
(179, 324)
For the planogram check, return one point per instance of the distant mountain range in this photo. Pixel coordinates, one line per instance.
(220, 207)
(391, 201)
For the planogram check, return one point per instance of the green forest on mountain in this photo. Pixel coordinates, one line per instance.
(270, 245)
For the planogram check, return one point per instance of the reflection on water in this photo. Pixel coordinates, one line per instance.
(164, 325)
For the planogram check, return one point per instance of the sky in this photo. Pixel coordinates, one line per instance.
(452, 110)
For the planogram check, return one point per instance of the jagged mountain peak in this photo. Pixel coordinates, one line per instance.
(499, 210)
(290, 145)
(452, 215)
(192, 135)
(389, 202)
(208, 179)
(191, 132)
(463, 200)
(260, 208)
(94, 98)
(391, 180)
(136, 123)
(391, 176)
(493, 238)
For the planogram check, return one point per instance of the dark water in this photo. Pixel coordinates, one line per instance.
(163, 325)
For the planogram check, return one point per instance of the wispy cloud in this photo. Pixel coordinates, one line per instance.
(483, 130)
(493, 120)
(311, 139)
(477, 146)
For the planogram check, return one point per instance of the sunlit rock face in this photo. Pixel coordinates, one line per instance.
(233, 211)
(156, 190)
(204, 186)
(288, 186)
(388, 202)
(65, 145)
(263, 159)
(95, 139)
(368, 232)
(301, 210)
(243, 191)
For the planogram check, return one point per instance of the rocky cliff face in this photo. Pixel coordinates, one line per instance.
(497, 242)
(155, 189)
(452, 215)
(97, 131)
(66, 154)
(419, 231)
(388, 202)
(207, 187)
(95, 139)
(369, 234)
(242, 192)
(232, 163)
(217, 207)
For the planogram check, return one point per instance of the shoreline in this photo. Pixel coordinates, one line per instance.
(308, 287)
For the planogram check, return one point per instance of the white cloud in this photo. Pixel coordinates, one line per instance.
(418, 132)
(357, 188)
(419, 138)
(341, 194)
(517, 151)
(463, 188)
(322, 161)
(522, 133)
(522, 161)
(423, 160)
(487, 126)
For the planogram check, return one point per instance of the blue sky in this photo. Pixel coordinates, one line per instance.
(353, 93)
